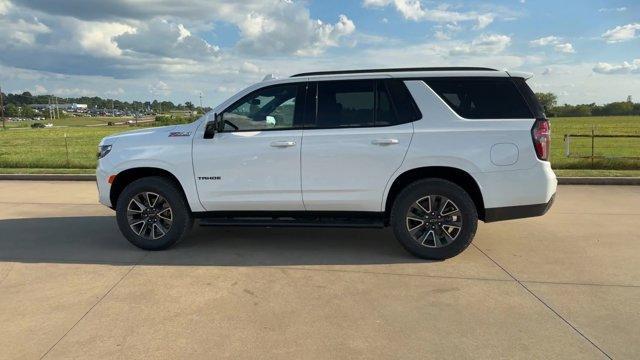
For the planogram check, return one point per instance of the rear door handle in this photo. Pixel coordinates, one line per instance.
(383, 142)
(283, 144)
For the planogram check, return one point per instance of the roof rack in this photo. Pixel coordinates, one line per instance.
(361, 71)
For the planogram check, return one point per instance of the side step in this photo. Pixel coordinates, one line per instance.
(301, 219)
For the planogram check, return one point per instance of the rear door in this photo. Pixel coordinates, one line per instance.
(356, 139)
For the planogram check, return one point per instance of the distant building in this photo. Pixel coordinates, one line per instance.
(77, 107)
(66, 107)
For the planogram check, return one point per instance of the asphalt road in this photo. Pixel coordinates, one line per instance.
(566, 285)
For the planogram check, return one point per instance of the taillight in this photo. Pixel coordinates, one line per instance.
(541, 134)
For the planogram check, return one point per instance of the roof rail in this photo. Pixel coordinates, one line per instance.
(362, 71)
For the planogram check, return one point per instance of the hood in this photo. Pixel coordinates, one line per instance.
(136, 133)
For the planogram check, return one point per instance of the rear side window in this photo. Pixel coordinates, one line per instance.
(359, 103)
(345, 104)
(530, 97)
(482, 98)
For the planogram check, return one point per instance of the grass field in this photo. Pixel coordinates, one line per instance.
(623, 125)
(45, 148)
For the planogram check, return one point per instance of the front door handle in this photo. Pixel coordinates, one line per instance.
(283, 144)
(383, 142)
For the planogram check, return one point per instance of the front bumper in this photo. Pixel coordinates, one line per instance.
(517, 212)
(104, 188)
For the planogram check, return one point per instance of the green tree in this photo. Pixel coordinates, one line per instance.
(547, 100)
(12, 110)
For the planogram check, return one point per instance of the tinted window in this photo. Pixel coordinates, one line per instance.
(385, 113)
(406, 108)
(269, 108)
(530, 97)
(482, 98)
(345, 104)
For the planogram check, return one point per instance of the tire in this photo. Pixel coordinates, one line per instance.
(149, 235)
(444, 241)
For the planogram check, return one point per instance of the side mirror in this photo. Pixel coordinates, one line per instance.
(210, 130)
(214, 126)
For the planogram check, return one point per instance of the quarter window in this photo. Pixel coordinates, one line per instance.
(270, 108)
(482, 98)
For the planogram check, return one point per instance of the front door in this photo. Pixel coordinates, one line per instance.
(254, 164)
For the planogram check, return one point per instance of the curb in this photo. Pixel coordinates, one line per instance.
(561, 180)
(49, 177)
(599, 181)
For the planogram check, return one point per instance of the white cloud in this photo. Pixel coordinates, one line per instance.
(557, 42)
(97, 38)
(289, 29)
(483, 45)
(555, 71)
(115, 92)
(618, 9)
(160, 37)
(251, 68)
(4, 7)
(565, 48)
(159, 88)
(415, 11)
(20, 31)
(624, 68)
(39, 90)
(622, 33)
(544, 41)
(441, 35)
(73, 92)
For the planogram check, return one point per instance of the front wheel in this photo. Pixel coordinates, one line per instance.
(434, 219)
(152, 213)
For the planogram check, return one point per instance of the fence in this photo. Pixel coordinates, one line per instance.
(593, 146)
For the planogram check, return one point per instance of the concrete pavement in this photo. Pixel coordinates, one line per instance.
(566, 285)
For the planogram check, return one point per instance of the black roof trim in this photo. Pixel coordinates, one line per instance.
(364, 71)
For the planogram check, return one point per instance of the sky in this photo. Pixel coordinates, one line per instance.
(583, 51)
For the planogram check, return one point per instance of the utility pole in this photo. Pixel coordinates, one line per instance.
(201, 101)
(57, 108)
(4, 126)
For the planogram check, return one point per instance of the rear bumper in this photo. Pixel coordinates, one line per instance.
(517, 212)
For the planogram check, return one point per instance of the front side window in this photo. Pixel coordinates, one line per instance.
(345, 104)
(270, 108)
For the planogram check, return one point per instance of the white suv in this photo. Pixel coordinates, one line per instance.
(427, 151)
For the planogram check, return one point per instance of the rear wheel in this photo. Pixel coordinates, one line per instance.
(152, 213)
(434, 219)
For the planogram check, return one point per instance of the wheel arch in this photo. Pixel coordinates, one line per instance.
(455, 175)
(127, 176)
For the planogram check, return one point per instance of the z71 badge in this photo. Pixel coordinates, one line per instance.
(179, 133)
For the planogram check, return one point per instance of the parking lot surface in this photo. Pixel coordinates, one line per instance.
(566, 285)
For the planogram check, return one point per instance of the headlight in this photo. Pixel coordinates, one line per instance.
(103, 150)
